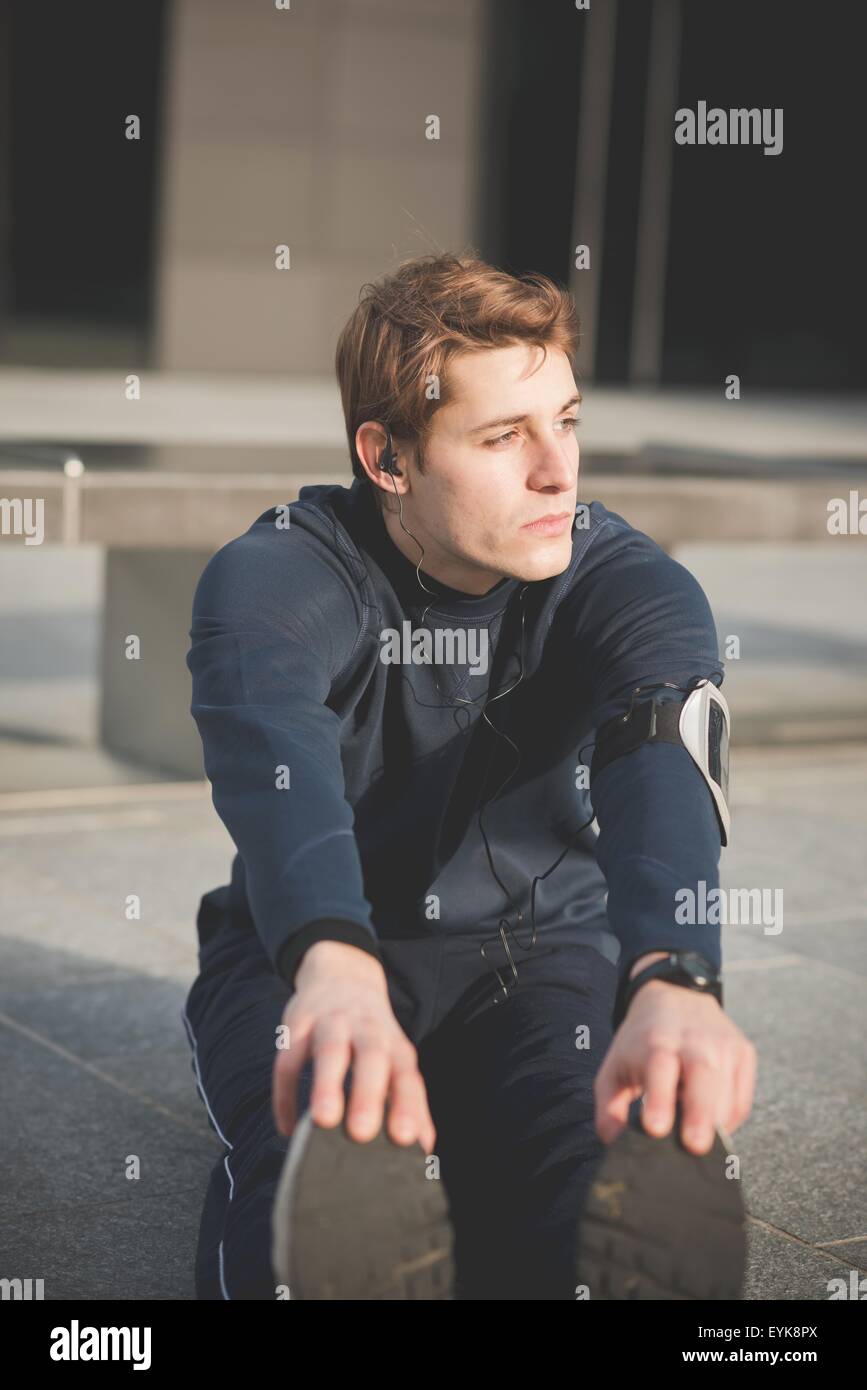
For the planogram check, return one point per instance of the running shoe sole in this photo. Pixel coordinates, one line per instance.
(360, 1220)
(661, 1222)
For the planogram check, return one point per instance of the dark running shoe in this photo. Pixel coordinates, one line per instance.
(661, 1222)
(359, 1220)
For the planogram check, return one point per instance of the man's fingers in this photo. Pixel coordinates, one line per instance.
(370, 1077)
(661, 1076)
(703, 1088)
(379, 1068)
(408, 1114)
(288, 1065)
(331, 1058)
(743, 1087)
(613, 1099)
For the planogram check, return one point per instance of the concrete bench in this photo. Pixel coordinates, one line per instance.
(159, 530)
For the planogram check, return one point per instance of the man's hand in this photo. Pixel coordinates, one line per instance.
(676, 1043)
(340, 1014)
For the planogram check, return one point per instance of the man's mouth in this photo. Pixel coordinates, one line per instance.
(551, 525)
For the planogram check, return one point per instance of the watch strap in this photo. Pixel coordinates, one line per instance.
(674, 973)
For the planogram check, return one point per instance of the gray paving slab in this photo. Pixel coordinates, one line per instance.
(29, 968)
(78, 946)
(138, 1248)
(830, 941)
(780, 1268)
(67, 873)
(146, 859)
(800, 824)
(163, 1076)
(853, 1252)
(129, 1015)
(74, 1131)
(823, 1041)
(802, 1156)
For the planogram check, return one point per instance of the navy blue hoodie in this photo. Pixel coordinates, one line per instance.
(351, 785)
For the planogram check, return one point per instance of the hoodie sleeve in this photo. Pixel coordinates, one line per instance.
(274, 620)
(644, 619)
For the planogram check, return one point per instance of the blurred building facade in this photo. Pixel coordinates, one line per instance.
(307, 126)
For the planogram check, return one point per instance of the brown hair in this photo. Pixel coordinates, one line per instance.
(408, 324)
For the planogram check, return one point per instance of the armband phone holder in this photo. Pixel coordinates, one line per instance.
(700, 724)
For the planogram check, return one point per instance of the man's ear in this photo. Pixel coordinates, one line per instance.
(371, 444)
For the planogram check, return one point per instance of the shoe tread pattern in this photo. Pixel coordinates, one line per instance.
(662, 1223)
(367, 1223)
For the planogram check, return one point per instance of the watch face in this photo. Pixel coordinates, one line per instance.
(697, 969)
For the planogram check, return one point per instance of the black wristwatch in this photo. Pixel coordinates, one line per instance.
(687, 968)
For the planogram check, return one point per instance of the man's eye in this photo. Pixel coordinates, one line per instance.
(504, 438)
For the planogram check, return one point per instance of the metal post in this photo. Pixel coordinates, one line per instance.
(588, 215)
(654, 212)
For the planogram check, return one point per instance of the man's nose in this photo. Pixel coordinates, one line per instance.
(552, 468)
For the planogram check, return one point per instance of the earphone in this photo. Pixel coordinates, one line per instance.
(388, 463)
(390, 466)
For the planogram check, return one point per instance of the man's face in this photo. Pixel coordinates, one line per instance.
(502, 454)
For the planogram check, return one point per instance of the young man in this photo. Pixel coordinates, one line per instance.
(413, 1025)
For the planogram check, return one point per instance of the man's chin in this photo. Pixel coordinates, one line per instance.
(547, 561)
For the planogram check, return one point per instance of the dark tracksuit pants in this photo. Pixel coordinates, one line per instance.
(510, 1095)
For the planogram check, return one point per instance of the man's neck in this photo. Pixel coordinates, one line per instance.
(454, 574)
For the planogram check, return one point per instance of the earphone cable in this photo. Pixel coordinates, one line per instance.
(505, 929)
